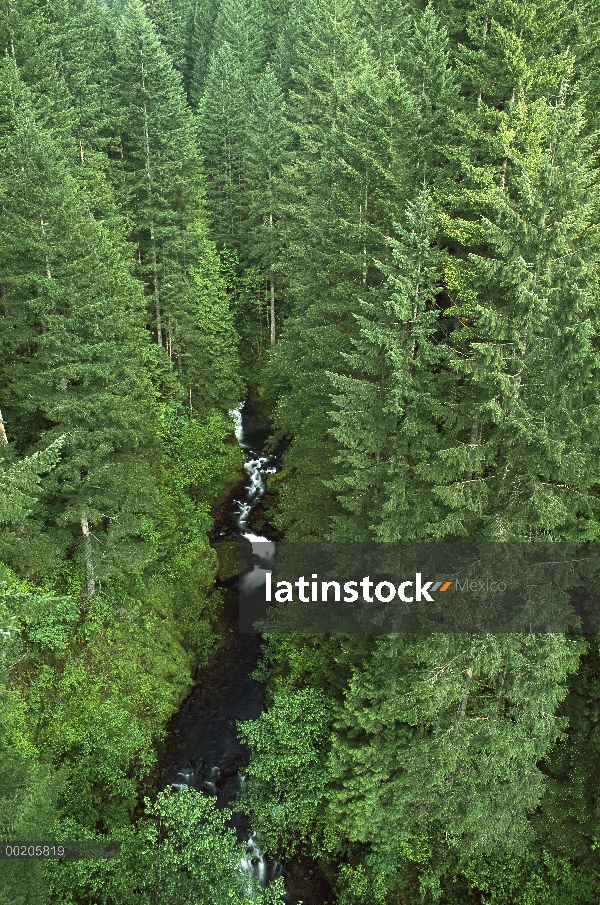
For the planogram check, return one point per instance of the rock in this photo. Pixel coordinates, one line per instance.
(228, 556)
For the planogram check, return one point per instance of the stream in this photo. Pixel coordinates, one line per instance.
(202, 748)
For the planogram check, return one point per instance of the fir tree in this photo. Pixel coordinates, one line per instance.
(385, 25)
(236, 25)
(391, 402)
(346, 179)
(436, 747)
(268, 137)
(231, 79)
(79, 362)
(223, 140)
(161, 180)
(170, 18)
(201, 22)
(527, 210)
(64, 53)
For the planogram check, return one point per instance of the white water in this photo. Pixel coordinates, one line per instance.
(257, 465)
(254, 866)
(254, 862)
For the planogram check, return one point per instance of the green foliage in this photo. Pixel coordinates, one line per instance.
(79, 362)
(201, 858)
(286, 779)
(104, 463)
(170, 18)
(222, 135)
(160, 183)
(204, 458)
(405, 195)
(21, 479)
(180, 854)
(201, 23)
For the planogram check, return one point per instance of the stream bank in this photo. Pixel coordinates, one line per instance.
(202, 748)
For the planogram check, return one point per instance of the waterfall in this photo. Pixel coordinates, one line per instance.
(264, 870)
(212, 770)
(257, 465)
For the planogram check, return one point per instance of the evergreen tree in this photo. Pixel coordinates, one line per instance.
(526, 211)
(436, 747)
(482, 444)
(170, 18)
(201, 22)
(161, 181)
(223, 140)
(391, 402)
(231, 78)
(79, 362)
(268, 137)
(236, 24)
(454, 406)
(64, 53)
(271, 16)
(20, 479)
(347, 178)
(386, 27)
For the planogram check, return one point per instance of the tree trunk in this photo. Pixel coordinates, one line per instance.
(87, 552)
(159, 335)
(272, 297)
(462, 707)
(155, 281)
(3, 437)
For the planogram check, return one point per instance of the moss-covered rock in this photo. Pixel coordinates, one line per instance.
(229, 558)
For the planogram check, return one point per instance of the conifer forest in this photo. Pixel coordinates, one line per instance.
(309, 270)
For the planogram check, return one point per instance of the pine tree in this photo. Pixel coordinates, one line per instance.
(317, 266)
(268, 137)
(30, 38)
(271, 15)
(64, 53)
(436, 747)
(518, 465)
(236, 24)
(505, 218)
(201, 22)
(170, 18)
(19, 481)
(386, 27)
(393, 389)
(225, 110)
(344, 185)
(232, 76)
(464, 405)
(391, 401)
(79, 362)
(161, 180)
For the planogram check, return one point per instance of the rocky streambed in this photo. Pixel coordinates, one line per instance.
(202, 748)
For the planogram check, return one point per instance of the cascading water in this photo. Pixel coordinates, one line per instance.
(203, 749)
(257, 466)
(262, 869)
(224, 779)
